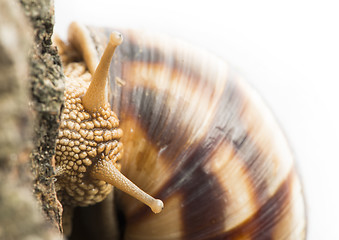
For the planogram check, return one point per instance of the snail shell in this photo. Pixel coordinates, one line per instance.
(198, 138)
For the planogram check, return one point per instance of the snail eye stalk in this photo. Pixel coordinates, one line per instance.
(95, 96)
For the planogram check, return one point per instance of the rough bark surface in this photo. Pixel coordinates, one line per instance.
(47, 88)
(31, 96)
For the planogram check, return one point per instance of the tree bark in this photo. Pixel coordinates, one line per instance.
(31, 98)
(47, 88)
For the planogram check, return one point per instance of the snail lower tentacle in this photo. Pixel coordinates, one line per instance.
(107, 172)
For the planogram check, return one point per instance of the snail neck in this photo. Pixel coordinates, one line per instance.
(95, 96)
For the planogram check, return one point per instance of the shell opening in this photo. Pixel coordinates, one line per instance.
(106, 171)
(95, 96)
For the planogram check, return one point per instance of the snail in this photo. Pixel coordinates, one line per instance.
(177, 129)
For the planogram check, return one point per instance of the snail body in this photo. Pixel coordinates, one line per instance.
(198, 138)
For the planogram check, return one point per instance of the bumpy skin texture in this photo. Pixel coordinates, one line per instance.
(84, 139)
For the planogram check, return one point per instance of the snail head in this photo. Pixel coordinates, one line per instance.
(88, 147)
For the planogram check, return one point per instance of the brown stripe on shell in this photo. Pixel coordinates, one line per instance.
(236, 183)
(140, 46)
(275, 155)
(260, 226)
(292, 222)
(200, 192)
(143, 162)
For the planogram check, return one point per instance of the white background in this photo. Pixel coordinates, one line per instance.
(288, 50)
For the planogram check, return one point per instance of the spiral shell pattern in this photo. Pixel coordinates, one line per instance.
(199, 138)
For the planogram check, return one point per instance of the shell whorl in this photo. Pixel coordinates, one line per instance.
(199, 138)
